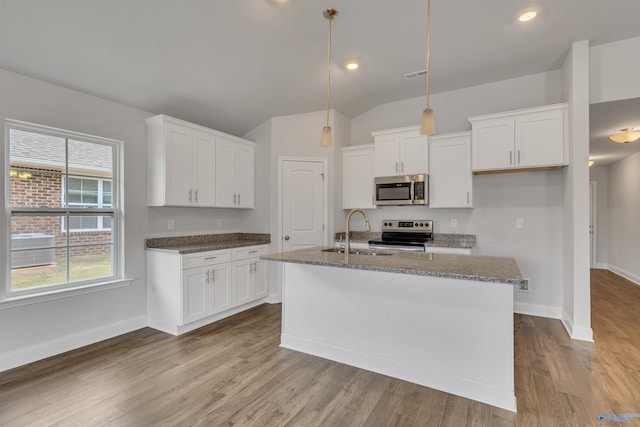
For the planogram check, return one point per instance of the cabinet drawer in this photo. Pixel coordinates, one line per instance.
(205, 258)
(249, 252)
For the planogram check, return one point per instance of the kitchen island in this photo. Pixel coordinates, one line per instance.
(439, 320)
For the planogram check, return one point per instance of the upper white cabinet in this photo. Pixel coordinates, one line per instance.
(357, 177)
(190, 165)
(401, 152)
(234, 174)
(451, 179)
(525, 139)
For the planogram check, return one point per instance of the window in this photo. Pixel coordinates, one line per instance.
(63, 209)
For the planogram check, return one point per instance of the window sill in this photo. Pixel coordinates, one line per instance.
(17, 301)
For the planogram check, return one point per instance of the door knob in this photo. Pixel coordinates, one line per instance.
(286, 237)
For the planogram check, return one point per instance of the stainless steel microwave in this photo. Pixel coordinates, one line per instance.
(402, 190)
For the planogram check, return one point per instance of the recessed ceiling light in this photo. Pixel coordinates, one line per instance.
(352, 65)
(527, 15)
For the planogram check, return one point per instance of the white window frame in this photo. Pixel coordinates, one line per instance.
(100, 204)
(10, 298)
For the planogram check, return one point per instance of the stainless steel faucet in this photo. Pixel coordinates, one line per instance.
(347, 247)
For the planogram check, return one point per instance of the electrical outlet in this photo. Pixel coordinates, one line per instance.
(519, 223)
(454, 223)
(524, 285)
(219, 222)
(171, 224)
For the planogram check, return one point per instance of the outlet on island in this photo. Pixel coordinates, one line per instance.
(454, 223)
(219, 222)
(171, 224)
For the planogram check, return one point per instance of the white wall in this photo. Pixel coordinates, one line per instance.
(624, 217)
(600, 175)
(536, 197)
(43, 329)
(614, 71)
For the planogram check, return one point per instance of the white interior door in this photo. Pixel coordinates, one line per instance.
(303, 200)
(593, 247)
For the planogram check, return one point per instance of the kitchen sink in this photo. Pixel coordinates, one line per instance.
(358, 252)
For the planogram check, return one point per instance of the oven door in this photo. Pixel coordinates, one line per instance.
(396, 247)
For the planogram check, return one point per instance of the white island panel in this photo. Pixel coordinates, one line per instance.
(449, 334)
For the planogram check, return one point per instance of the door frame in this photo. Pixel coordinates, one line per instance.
(593, 206)
(325, 213)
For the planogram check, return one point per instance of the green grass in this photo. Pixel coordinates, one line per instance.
(82, 267)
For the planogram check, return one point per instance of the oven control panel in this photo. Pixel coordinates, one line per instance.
(407, 225)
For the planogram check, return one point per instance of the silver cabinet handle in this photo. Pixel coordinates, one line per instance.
(207, 279)
(253, 252)
(396, 167)
(373, 201)
(190, 195)
(402, 166)
(253, 266)
(210, 257)
(234, 198)
(196, 196)
(238, 198)
(518, 156)
(213, 276)
(510, 157)
(467, 197)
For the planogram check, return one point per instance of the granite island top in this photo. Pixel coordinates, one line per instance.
(206, 242)
(461, 241)
(465, 267)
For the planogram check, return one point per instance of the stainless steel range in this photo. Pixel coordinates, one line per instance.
(404, 235)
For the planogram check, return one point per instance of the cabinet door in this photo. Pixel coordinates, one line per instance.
(204, 161)
(221, 288)
(539, 139)
(450, 181)
(242, 281)
(414, 154)
(179, 161)
(225, 193)
(261, 287)
(357, 178)
(387, 155)
(196, 294)
(493, 144)
(244, 180)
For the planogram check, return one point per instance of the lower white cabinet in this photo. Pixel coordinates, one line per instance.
(188, 291)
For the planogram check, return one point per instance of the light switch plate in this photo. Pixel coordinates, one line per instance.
(519, 223)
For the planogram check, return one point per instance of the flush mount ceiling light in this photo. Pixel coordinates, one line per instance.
(591, 162)
(330, 14)
(352, 65)
(428, 126)
(527, 15)
(626, 136)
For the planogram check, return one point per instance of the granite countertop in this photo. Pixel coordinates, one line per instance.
(206, 242)
(462, 241)
(465, 267)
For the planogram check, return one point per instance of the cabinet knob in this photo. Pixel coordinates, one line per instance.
(286, 237)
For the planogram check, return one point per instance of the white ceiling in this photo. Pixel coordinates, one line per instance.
(232, 64)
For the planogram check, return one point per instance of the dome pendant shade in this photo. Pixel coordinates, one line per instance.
(326, 137)
(428, 126)
(626, 136)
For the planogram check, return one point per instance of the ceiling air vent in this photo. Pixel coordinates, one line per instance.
(415, 74)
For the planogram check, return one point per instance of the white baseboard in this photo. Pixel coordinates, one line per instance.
(579, 333)
(41, 351)
(601, 266)
(274, 299)
(537, 310)
(627, 275)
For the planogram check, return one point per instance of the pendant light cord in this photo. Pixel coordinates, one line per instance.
(329, 73)
(428, 49)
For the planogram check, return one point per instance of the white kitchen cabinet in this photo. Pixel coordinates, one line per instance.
(181, 164)
(188, 291)
(234, 174)
(400, 151)
(451, 179)
(185, 170)
(249, 274)
(534, 138)
(357, 177)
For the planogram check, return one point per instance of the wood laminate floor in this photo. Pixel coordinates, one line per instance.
(234, 373)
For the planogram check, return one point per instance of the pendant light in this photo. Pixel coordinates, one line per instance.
(330, 14)
(626, 136)
(428, 126)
